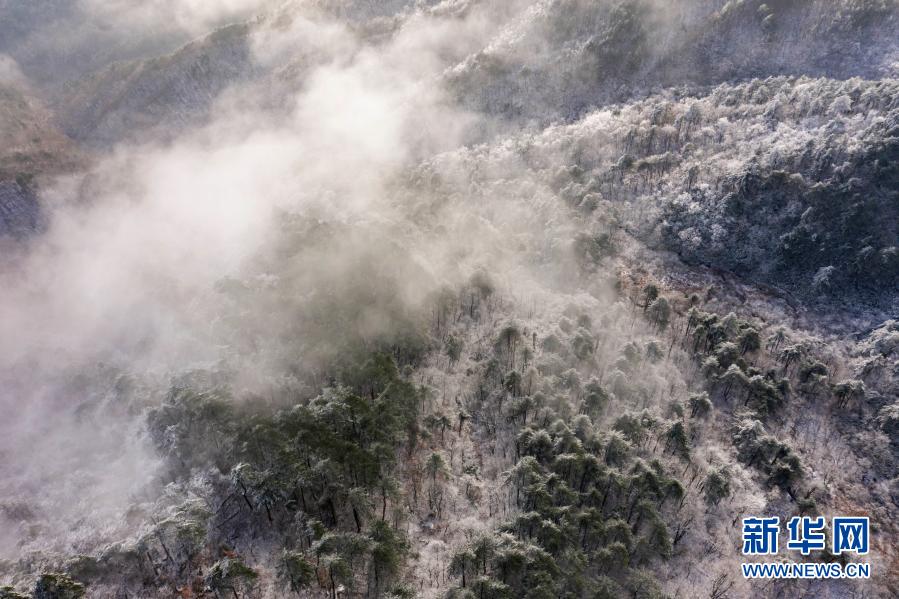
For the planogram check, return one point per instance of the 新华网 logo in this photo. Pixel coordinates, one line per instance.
(806, 535)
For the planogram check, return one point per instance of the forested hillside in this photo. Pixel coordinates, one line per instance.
(457, 298)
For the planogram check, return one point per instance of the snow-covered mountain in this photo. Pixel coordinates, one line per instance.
(459, 298)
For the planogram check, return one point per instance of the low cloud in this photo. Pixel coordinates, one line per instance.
(124, 292)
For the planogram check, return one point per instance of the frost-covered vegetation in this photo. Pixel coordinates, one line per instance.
(617, 275)
(789, 182)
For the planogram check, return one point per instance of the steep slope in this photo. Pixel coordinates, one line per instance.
(129, 99)
(307, 338)
(561, 58)
(264, 59)
(59, 41)
(788, 182)
(33, 150)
